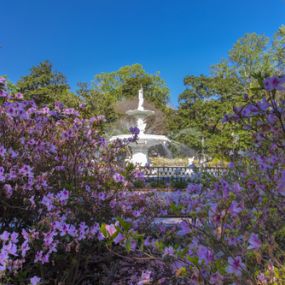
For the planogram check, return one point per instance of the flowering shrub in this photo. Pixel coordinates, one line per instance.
(233, 230)
(68, 214)
(59, 183)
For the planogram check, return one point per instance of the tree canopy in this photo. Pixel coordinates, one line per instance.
(108, 89)
(45, 86)
(206, 99)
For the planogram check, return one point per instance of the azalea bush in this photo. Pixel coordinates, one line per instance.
(70, 213)
(60, 182)
(233, 229)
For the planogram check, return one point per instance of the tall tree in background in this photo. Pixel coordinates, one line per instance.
(45, 86)
(125, 83)
(110, 88)
(207, 98)
(277, 51)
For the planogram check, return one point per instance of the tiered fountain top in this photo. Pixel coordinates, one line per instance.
(145, 141)
(140, 112)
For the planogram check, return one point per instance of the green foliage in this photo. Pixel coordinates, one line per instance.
(109, 88)
(206, 99)
(178, 183)
(46, 86)
(125, 83)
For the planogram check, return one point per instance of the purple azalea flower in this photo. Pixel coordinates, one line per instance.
(93, 230)
(274, 83)
(2, 151)
(111, 229)
(87, 188)
(47, 200)
(19, 96)
(41, 257)
(48, 238)
(35, 280)
(263, 105)
(100, 236)
(13, 153)
(102, 196)
(235, 266)
(184, 229)
(139, 174)
(231, 165)
(58, 105)
(5, 236)
(11, 248)
(168, 251)
(133, 245)
(254, 242)
(136, 213)
(205, 254)
(262, 279)
(63, 196)
(26, 170)
(235, 209)
(3, 94)
(280, 185)
(145, 278)
(83, 230)
(118, 178)
(2, 80)
(25, 248)
(233, 241)
(112, 204)
(120, 237)
(147, 241)
(8, 190)
(216, 279)
(14, 237)
(134, 130)
(2, 175)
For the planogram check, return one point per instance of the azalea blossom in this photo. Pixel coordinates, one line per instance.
(217, 279)
(235, 265)
(254, 242)
(118, 178)
(120, 237)
(274, 83)
(2, 80)
(145, 278)
(35, 280)
(205, 254)
(111, 229)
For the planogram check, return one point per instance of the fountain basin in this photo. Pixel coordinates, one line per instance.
(140, 113)
(144, 139)
(141, 145)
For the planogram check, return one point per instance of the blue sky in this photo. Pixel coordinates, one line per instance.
(86, 37)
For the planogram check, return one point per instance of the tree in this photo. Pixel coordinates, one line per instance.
(126, 82)
(207, 98)
(45, 86)
(249, 56)
(109, 89)
(201, 109)
(278, 50)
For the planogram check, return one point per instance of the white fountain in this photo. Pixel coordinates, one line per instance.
(145, 141)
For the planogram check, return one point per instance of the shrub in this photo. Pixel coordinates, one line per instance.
(68, 215)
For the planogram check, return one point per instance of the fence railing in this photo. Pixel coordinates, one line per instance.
(166, 173)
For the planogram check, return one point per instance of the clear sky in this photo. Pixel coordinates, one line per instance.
(85, 37)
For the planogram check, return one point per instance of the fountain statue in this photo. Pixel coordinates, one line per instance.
(145, 141)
